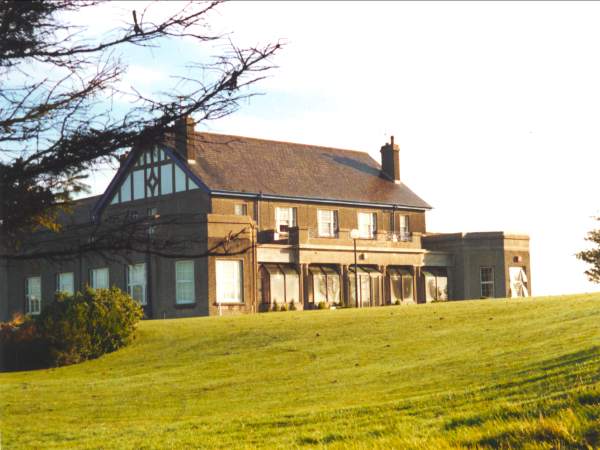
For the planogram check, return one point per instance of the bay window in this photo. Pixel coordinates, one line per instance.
(401, 285)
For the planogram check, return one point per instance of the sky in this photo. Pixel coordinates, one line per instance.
(495, 105)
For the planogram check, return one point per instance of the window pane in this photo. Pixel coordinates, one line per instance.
(442, 287)
(166, 181)
(395, 289)
(240, 209)
(366, 225)
(99, 278)
(407, 288)
(333, 288)
(34, 295)
(326, 223)
(292, 287)
(126, 189)
(65, 283)
(320, 288)
(277, 288)
(229, 281)
(179, 179)
(430, 288)
(184, 275)
(136, 286)
(138, 184)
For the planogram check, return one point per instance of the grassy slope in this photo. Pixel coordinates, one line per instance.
(487, 373)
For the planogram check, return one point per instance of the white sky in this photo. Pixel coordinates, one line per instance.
(496, 106)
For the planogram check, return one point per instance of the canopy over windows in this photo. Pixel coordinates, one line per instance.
(401, 285)
(369, 285)
(280, 284)
(325, 285)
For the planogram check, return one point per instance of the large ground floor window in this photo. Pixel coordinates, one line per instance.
(229, 274)
(369, 286)
(401, 281)
(280, 283)
(99, 278)
(184, 282)
(436, 284)
(324, 286)
(65, 283)
(136, 282)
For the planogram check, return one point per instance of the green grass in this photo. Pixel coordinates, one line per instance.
(501, 373)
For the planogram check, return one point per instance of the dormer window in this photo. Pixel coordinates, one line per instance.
(285, 218)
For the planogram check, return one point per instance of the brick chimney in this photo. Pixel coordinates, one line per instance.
(184, 135)
(390, 161)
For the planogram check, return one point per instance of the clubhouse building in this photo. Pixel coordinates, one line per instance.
(240, 225)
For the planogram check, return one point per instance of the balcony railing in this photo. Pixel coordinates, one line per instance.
(297, 235)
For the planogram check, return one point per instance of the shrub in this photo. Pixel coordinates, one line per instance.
(293, 306)
(275, 307)
(283, 307)
(74, 328)
(322, 305)
(21, 347)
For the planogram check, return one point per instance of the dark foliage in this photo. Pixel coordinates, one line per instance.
(71, 329)
(592, 256)
(56, 89)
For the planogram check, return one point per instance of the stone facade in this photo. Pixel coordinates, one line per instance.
(267, 263)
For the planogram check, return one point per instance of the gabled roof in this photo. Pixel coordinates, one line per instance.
(242, 165)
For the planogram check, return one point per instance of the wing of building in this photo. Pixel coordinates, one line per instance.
(214, 224)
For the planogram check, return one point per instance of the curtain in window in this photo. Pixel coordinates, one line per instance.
(229, 281)
(136, 282)
(99, 278)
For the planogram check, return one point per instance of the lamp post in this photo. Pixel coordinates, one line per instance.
(354, 234)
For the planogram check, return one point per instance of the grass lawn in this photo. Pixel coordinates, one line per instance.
(488, 374)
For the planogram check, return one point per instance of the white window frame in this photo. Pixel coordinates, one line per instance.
(487, 283)
(327, 225)
(367, 225)
(180, 283)
(64, 278)
(94, 277)
(34, 299)
(224, 292)
(240, 209)
(284, 216)
(404, 227)
(133, 283)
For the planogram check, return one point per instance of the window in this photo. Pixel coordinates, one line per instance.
(229, 281)
(166, 179)
(240, 209)
(126, 189)
(34, 295)
(179, 179)
(369, 285)
(404, 231)
(99, 278)
(152, 215)
(401, 285)
(138, 184)
(327, 223)
(136, 282)
(281, 283)
(367, 225)
(436, 284)
(64, 283)
(325, 285)
(184, 281)
(518, 282)
(487, 281)
(284, 219)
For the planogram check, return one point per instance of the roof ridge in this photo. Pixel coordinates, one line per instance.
(282, 142)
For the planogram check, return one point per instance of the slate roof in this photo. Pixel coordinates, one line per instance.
(236, 164)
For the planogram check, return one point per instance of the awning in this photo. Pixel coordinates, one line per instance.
(366, 270)
(399, 271)
(280, 269)
(322, 270)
